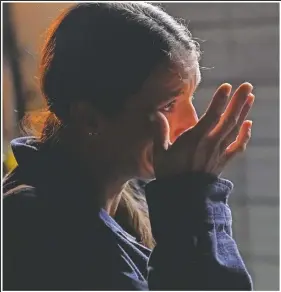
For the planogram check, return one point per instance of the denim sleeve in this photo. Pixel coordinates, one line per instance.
(191, 222)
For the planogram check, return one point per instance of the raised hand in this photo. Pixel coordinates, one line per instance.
(217, 137)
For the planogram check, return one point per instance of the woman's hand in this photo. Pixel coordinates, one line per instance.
(212, 142)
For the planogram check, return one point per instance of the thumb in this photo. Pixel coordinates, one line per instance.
(161, 132)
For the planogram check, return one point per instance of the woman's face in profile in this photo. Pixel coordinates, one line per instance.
(131, 133)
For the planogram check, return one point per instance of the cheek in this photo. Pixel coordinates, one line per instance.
(135, 142)
(145, 163)
(131, 146)
(143, 151)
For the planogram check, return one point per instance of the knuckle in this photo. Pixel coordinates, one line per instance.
(248, 135)
(242, 148)
(214, 140)
(230, 121)
(211, 140)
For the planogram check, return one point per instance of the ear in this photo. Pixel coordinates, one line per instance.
(85, 118)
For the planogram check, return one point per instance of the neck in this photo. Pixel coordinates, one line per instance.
(111, 198)
(106, 185)
(98, 176)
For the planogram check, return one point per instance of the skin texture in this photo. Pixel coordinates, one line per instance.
(158, 134)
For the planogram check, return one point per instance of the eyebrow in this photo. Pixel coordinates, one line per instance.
(175, 93)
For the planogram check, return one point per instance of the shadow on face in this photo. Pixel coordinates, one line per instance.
(129, 139)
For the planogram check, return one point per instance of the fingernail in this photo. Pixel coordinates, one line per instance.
(250, 85)
(251, 98)
(227, 88)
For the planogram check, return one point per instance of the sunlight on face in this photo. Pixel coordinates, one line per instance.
(173, 92)
(179, 110)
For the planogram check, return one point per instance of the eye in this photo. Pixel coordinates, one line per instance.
(169, 107)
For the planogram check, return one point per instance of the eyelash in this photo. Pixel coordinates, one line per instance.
(169, 107)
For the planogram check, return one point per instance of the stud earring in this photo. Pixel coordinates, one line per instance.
(92, 134)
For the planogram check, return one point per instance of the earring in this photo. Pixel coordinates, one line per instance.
(91, 134)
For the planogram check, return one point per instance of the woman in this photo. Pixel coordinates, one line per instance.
(118, 79)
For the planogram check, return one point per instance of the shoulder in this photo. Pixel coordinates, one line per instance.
(15, 190)
(21, 196)
(22, 211)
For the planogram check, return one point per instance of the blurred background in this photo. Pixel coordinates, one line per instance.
(240, 42)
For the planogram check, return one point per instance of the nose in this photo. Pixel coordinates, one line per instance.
(191, 122)
(178, 132)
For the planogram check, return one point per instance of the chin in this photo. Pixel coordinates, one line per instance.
(147, 175)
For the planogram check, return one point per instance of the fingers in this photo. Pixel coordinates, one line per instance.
(239, 98)
(232, 112)
(240, 144)
(214, 111)
(161, 132)
(244, 113)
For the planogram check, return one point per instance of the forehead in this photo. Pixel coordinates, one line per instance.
(165, 81)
